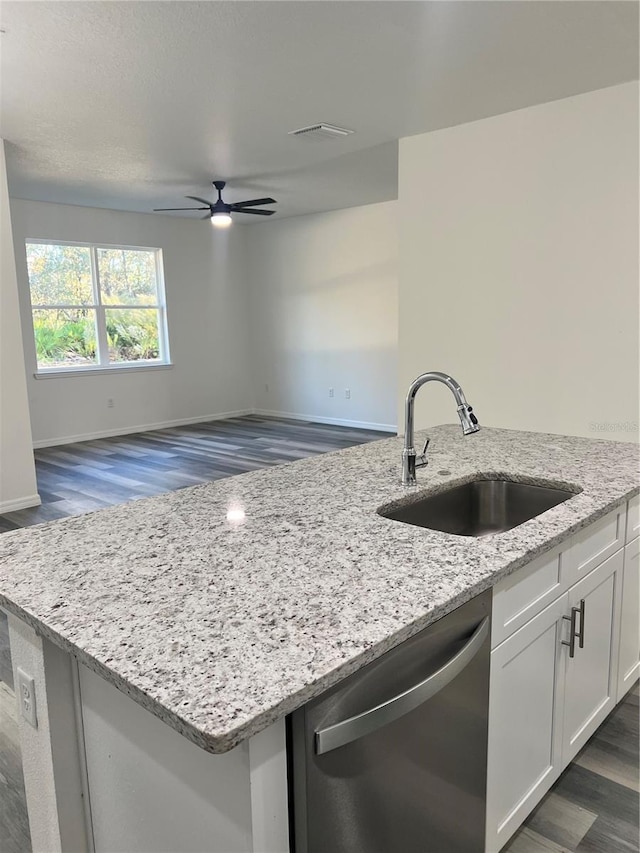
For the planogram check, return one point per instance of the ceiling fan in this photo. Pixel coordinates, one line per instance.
(220, 212)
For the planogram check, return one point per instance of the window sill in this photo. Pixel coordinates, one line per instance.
(64, 372)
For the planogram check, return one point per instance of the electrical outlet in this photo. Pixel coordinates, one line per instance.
(27, 694)
(347, 393)
(110, 403)
(331, 392)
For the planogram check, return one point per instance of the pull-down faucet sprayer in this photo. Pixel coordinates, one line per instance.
(469, 422)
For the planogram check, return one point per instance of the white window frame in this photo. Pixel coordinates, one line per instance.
(102, 364)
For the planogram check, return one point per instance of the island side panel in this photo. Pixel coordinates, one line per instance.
(151, 789)
(269, 794)
(50, 750)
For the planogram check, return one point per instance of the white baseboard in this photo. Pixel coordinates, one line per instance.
(107, 433)
(19, 503)
(319, 419)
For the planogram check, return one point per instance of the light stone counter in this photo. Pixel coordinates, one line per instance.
(223, 607)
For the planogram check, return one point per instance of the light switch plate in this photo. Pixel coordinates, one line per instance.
(27, 697)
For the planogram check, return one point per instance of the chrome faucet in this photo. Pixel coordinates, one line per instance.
(469, 422)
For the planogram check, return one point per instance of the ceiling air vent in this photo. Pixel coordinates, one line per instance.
(320, 132)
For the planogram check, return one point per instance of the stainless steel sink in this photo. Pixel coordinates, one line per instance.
(479, 507)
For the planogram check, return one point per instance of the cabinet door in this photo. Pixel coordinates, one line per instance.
(524, 754)
(591, 675)
(628, 661)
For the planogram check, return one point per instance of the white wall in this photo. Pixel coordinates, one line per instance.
(324, 315)
(207, 316)
(17, 470)
(519, 266)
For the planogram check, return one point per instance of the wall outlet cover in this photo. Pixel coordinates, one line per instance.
(27, 697)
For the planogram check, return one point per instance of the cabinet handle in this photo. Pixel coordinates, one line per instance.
(571, 642)
(581, 631)
(573, 633)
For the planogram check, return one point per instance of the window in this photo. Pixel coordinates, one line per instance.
(96, 306)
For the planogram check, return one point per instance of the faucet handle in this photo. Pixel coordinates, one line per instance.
(422, 460)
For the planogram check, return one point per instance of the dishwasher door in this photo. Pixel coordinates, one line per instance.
(393, 759)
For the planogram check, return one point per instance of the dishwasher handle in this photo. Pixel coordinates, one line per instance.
(387, 712)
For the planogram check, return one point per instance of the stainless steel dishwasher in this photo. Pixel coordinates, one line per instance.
(393, 759)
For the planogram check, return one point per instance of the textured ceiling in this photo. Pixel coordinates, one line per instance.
(132, 105)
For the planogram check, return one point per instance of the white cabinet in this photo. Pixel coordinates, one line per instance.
(546, 697)
(628, 661)
(518, 597)
(590, 678)
(595, 543)
(633, 519)
(525, 704)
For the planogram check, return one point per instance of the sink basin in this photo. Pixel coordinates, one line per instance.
(479, 507)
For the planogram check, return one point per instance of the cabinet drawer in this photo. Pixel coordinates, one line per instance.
(520, 596)
(595, 544)
(633, 519)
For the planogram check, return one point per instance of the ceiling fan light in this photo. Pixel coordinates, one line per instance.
(221, 220)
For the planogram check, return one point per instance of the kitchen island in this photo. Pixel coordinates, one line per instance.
(220, 609)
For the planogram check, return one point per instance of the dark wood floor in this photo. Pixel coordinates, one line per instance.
(90, 475)
(594, 805)
(593, 808)
(14, 826)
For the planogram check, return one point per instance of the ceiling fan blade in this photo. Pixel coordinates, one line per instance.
(197, 198)
(206, 216)
(255, 212)
(158, 209)
(253, 202)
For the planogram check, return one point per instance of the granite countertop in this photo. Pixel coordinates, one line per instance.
(221, 608)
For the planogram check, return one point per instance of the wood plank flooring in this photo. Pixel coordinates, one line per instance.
(594, 805)
(592, 808)
(90, 475)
